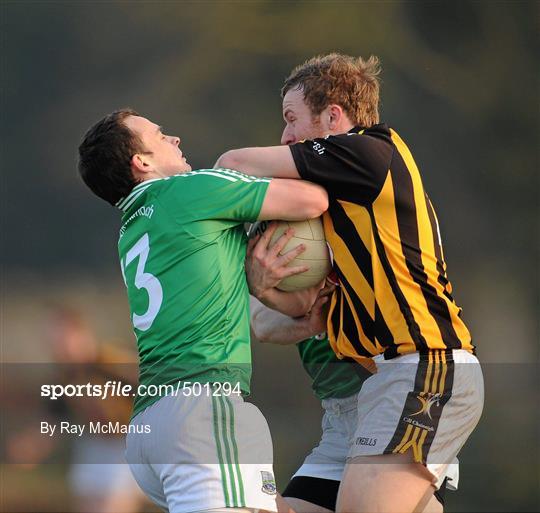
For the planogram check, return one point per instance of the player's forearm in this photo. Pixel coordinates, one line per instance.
(293, 200)
(292, 304)
(275, 161)
(272, 327)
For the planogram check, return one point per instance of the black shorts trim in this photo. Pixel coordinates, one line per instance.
(441, 492)
(322, 492)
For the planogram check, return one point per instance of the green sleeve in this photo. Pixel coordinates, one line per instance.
(220, 194)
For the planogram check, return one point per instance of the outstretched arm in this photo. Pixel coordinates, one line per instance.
(274, 161)
(293, 200)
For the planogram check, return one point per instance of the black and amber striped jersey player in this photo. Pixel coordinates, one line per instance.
(394, 296)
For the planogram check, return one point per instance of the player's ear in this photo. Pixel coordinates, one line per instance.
(335, 115)
(140, 164)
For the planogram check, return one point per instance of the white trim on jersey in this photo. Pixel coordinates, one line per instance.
(122, 203)
(132, 198)
(227, 174)
(243, 176)
(195, 173)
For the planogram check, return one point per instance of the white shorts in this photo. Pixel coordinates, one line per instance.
(327, 460)
(426, 404)
(203, 453)
(339, 424)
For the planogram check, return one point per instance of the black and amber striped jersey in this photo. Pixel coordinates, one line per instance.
(394, 295)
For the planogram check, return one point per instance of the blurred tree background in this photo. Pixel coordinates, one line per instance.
(460, 85)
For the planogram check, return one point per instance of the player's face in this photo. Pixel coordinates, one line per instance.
(300, 123)
(161, 151)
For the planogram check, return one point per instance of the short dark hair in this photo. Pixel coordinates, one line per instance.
(105, 156)
(350, 82)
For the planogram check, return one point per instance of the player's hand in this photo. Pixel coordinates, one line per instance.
(327, 289)
(315, 321)
(265, 267)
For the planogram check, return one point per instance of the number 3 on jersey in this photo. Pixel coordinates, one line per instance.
(144, 280)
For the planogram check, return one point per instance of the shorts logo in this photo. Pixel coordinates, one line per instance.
(365, 440)
(426, 403)
(268, 483)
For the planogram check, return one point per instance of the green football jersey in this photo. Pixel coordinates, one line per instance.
(182, 247)
(331, 376)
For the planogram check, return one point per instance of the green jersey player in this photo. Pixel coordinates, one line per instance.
(193, 443)
(314, 486)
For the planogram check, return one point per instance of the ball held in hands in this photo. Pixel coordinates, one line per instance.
(316, 255)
